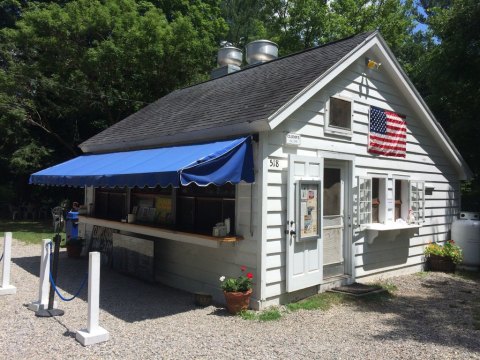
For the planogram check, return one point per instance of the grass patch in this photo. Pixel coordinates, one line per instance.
(422, 274)
(248, 315)
(323, 301)
(389, 286)
(31, 232)
(469, 275)
(270, 314)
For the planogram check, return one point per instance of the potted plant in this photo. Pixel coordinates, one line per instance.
(443, 258)
(237, 291)
(74, 247)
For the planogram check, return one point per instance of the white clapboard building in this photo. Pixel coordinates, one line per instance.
(313, 170)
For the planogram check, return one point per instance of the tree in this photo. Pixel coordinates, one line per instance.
(450, 74)
(70, 69)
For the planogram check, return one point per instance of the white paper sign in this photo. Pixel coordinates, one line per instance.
(293, 139)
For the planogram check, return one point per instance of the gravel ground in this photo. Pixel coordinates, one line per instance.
(430, 317)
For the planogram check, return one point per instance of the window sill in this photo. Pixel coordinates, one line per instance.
(394, 229)
(196, 239)
(330, 130)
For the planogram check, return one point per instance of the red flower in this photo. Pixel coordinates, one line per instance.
(243, 268)
(250, 275)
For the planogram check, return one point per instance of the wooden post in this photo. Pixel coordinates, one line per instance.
(6, 288)
(94, 333)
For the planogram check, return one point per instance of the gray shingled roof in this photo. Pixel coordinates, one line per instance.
(243, 97)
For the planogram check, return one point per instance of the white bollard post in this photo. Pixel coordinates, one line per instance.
(94, 333)
(44, 288)
(6, 288)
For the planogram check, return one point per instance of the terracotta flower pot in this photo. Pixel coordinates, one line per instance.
(237, 301)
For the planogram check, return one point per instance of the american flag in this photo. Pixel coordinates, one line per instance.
(388, 133)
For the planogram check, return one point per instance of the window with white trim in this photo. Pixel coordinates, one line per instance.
(409, 195)
(417, 200)
(364, 201)
(371, 200)
(339, 113)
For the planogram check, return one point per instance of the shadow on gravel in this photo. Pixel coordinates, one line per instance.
(448, 316)
(122, 296)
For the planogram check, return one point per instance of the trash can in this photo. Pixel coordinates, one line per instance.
(71, 225)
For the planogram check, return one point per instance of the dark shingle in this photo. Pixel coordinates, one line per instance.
(246, 96)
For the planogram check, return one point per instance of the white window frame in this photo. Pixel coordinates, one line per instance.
(336, 130)
(364, 202)
(417, 196)
(382, 195)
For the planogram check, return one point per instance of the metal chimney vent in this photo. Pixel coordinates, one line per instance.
(229, 55)
(260, 51)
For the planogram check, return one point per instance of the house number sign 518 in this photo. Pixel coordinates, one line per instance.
(273, 163)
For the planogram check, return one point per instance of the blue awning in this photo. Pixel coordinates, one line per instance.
(216, 163)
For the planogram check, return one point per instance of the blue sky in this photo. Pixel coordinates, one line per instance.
(420, 27)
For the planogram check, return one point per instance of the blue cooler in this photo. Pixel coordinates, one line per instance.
(71, 225)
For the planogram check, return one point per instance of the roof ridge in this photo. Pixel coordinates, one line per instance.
(248, 67)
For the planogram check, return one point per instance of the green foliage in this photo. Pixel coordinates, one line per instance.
(389, 286)
(301, 24)
(70, 69)
(240, 284)
(422, 274)
(248, 315)
(448, 250)
(323, 301)
(31, 232)
(449, 74)
(270, 314)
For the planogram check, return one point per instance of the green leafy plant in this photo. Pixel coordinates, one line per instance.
(323, 301)
(448, 250)
(241, 284)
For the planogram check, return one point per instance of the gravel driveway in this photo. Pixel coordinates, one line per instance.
(430, 317)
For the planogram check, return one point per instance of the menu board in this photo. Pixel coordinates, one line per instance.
(163, 206)
(308, 213)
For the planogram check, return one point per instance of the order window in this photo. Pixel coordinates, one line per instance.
(372, 200)
(191, 208)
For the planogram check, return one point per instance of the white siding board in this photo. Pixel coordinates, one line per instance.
(275, 260)
(275, 232)
(275, 219)
(275, 275)
(275, 289)
(276, 246)
(276, 191)
(277, 205)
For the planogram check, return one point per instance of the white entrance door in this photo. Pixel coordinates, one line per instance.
(304, 258)
(334, 224)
